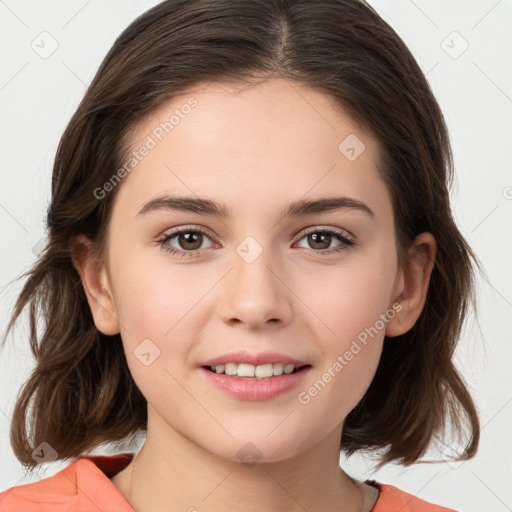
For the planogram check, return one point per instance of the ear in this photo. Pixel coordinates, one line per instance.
(96, 283)
(412, 284)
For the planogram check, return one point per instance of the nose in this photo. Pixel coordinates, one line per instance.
(256, 293)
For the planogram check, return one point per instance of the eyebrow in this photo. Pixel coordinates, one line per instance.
(298, 208)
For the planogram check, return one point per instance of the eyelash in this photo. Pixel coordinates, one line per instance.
(346, 243)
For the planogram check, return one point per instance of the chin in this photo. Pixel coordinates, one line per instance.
(258, 450)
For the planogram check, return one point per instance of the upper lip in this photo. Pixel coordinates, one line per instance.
(243, 356)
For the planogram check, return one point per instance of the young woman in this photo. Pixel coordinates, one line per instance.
(251, 260)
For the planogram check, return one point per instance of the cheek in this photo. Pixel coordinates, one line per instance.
(350, 327)
(154, 297)
(156, 313)
(351, 350)
(340, 385)
(160, 307)
(348, 298)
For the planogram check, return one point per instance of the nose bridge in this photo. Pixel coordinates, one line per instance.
(255, 293)
(253, 273)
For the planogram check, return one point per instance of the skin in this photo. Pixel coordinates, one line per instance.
(257, 149)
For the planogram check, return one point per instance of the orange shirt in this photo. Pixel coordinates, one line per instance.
(85, 486)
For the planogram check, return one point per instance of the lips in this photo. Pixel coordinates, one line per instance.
(244, 388)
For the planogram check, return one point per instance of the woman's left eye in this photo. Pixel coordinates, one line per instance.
(321, 239)
(190, 240)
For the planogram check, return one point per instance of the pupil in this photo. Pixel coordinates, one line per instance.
(315, 236)
(188, 238)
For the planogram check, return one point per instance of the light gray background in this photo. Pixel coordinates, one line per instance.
(38, 96)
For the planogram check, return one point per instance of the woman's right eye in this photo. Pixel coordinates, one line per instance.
(193, 238)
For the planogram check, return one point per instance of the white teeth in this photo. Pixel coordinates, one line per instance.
(245, 370)
(288, 368)
(278, 369)
(229, 369)
(262, 371)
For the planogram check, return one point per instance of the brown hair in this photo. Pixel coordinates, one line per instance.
(81, 393)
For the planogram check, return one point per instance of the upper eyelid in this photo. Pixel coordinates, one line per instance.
(186, 229)
(320, 228)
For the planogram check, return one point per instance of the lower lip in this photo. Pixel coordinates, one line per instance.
(249, 388)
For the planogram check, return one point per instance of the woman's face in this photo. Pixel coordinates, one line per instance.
(255, 280)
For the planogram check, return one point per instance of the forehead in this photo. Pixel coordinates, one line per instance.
(276, 138)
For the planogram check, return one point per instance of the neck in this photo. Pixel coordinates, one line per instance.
(172, 473)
